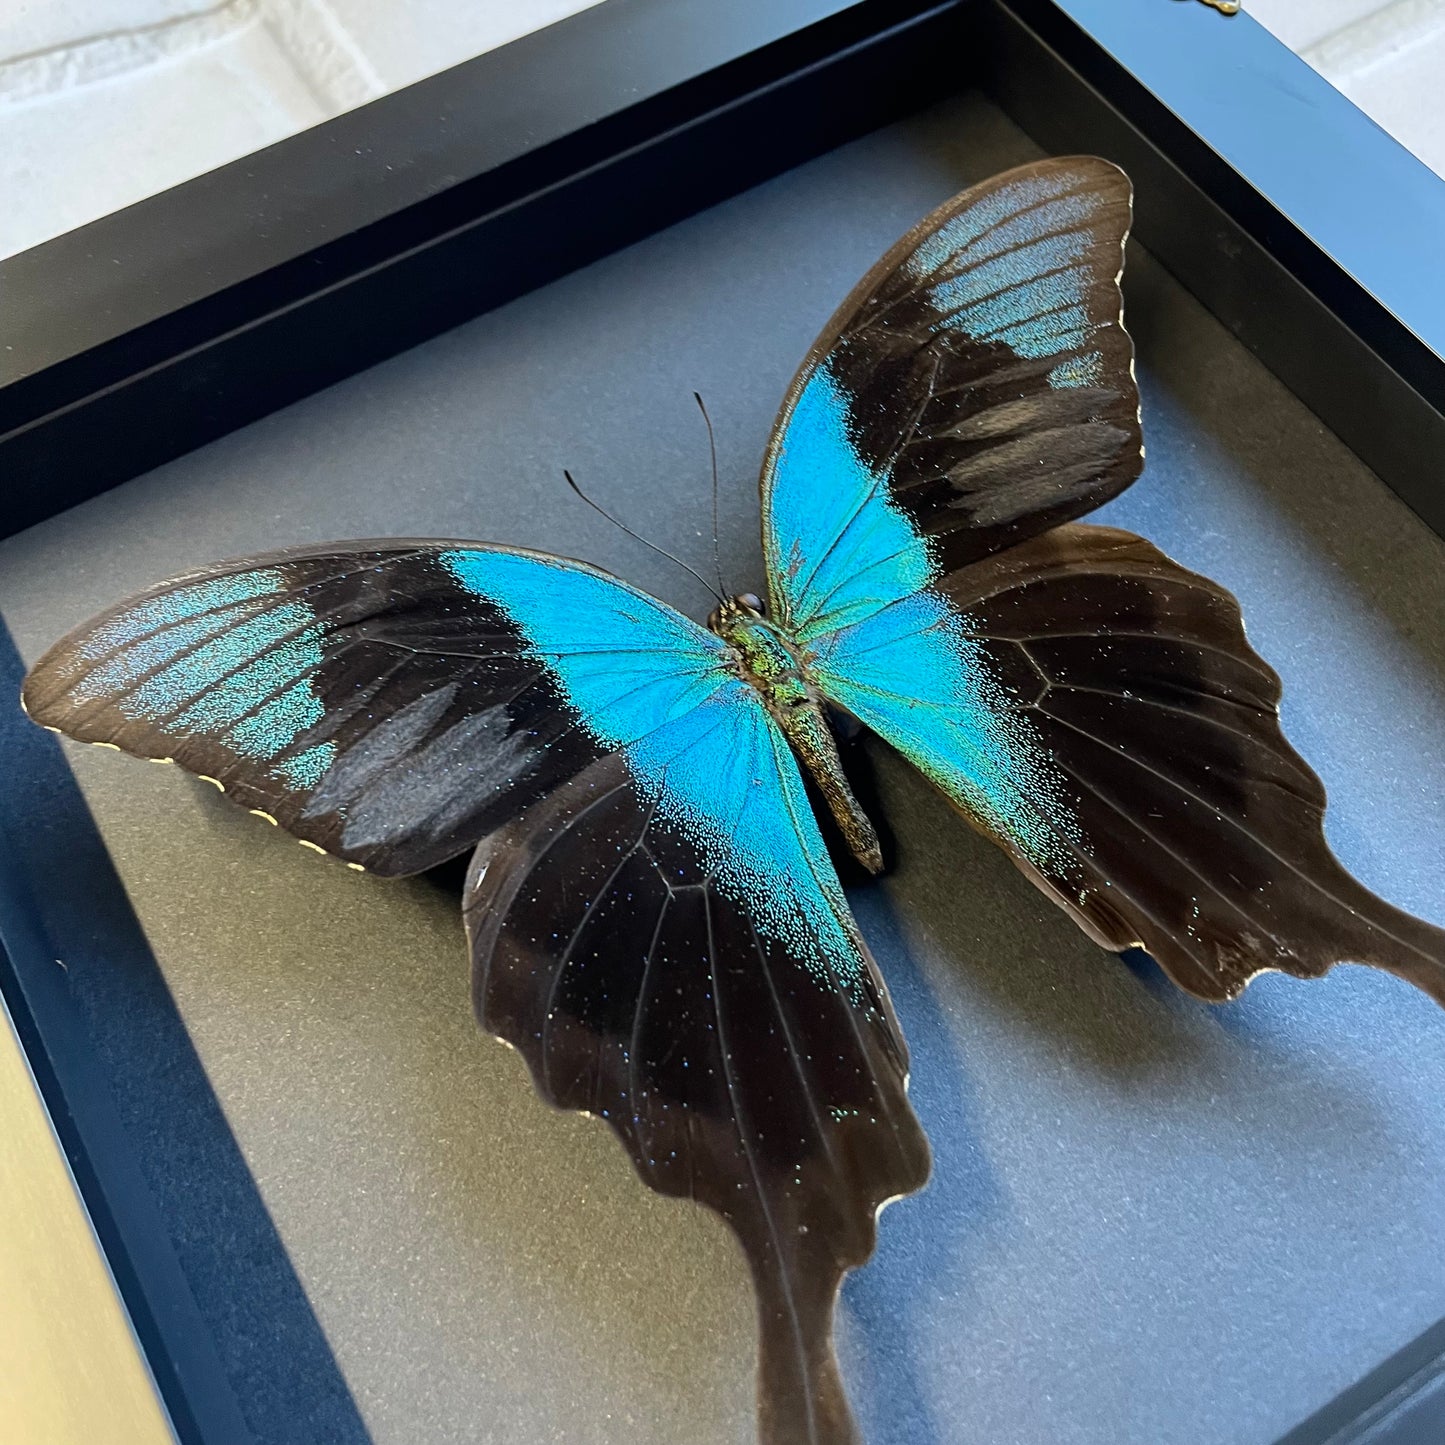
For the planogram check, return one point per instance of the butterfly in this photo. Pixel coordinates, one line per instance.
(654, 917)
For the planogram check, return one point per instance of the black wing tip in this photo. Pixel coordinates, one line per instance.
(1397, 942)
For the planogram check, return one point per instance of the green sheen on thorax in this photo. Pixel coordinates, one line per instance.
(767, 659)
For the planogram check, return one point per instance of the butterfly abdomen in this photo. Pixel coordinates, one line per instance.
(768, 659)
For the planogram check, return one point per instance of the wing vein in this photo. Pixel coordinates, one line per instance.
(639, 1011)
(1188, 865)
(785, 1283)
(1239, 827)
(564, 962)
(801, 592)
(1121, 695)
(795, 1057)
(930, 279)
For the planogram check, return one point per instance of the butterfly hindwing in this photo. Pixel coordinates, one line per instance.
(707, 994)
(1192, 827)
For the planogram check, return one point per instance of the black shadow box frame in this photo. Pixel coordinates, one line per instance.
(1310, 234)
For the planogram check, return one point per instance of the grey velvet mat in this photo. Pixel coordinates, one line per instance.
(1151, 1223)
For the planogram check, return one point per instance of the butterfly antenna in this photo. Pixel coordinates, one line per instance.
(638, 537)
(712, 451)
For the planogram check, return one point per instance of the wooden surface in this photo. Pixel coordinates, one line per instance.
(70, 1369)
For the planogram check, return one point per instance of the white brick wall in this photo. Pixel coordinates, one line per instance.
(104, 102)
(1388, 56)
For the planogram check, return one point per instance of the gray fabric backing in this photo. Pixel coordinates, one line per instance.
(1151, 1221)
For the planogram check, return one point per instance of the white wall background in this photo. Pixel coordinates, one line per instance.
(103, 102)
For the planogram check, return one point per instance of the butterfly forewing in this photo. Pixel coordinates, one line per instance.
(366, 697)
(979, 376)
(360, 696)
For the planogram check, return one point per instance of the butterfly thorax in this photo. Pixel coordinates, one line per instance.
(770, 661)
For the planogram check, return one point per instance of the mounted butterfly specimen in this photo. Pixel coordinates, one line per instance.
(654, 919)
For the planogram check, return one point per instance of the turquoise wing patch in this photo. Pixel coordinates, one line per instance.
(979, 376)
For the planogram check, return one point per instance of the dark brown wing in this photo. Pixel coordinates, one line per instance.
(753, 1068)
(1179, 818)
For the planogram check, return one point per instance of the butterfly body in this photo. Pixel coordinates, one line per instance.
(773, 663)
(655, 923)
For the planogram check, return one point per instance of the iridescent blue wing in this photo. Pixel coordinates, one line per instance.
(1084, 701)
(979, 377)
(365, 697)
(655, 921)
